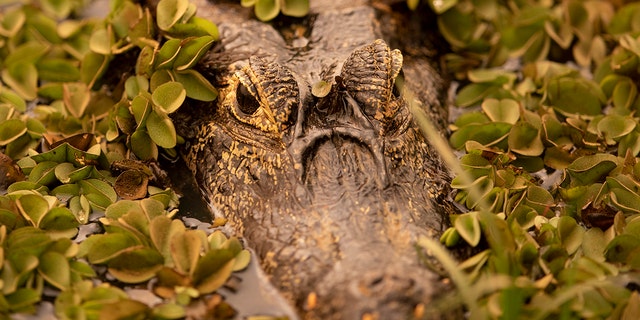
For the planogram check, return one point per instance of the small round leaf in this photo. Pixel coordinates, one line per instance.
(161, 130)
(169, 96)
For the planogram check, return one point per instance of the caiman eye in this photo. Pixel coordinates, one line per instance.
(247, 103)
(263, 95)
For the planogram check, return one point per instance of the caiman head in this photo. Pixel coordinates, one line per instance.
(331, 192)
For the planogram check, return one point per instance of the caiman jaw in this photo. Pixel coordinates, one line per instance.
(343, 127)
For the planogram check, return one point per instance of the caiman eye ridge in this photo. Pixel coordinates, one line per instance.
(247, 103)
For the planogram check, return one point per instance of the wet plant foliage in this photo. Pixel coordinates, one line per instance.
(550, 172)
(549, 151)
(82, 206)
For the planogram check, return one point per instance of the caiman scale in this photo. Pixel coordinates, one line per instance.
(332, 192)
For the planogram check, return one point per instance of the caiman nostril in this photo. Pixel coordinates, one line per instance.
(387, 286)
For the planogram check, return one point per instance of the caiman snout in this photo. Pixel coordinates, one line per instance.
(329, 190)
(391, 290)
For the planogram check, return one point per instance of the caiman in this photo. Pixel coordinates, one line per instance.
(331, 190)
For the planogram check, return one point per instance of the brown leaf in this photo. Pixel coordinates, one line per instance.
(10, 172)
(132, 184)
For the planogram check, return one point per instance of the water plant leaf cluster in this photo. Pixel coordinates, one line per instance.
(551, 177)
(266, 10)
(82, 204)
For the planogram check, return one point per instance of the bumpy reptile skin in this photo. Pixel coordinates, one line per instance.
(331, 192)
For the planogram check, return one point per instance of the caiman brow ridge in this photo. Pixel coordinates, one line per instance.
(331, 192)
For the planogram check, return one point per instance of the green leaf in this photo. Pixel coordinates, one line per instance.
(60, 70)
(486, 134)
(67, 153)
(589, 169)
(169, 12)
(505, 110)
(161, 230)
(43, 173)
(624, 61)
(82, 269)
(169, 311)
(167, 54)
(169, 96)
(619, 249)
(98, 192)
(540, 200)
(495, 76)
(295, 8)
(80, 207)
(60, 221)
(213, 270)
(570, 234)
(624, 94)
(161, 130)
(247, 3)
(242, 260)
(76, 96)
(10, 130)
(30, 241)
(124, 309)
(191, 52)
(29, 53)
(136, 84)
(524, 138)
(625, 200)
(468, 227)
(22, 298)
(561, 33)
(121, 208)
(33, 208)
(614, 126)
(142, 145)
(22, 77)
(101, 41)
(450, 237)
(196, 86)
(102, 248)
(93, 67)
(266, 10)
(206, 26)
(136, 265)
(473, 93)
(11, 98)
(59, 8)
(12, 21)
(125, 18)
(141, 108)
(185, 250)
(321, 89)
(456, 28)
(574, 96)
(67, 173)
(54, 268)
(145, 61)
